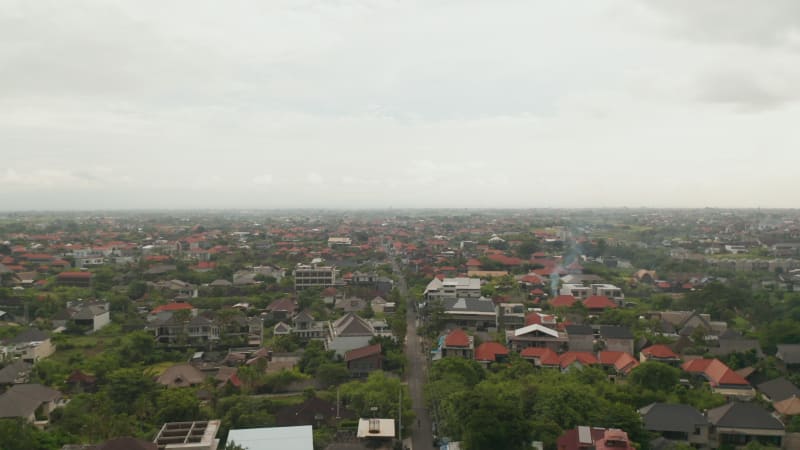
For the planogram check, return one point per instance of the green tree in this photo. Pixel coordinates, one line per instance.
(332, 374)
(377, 391)
(176, 405)
(131, 390)
(655, 376)
(17, 434)
(492, 418)
(137, 289)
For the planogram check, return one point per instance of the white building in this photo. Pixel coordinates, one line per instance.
(461, 287)
(339, 241)
(314, 275)
(200, 435)
(582, 292)
(273, 438)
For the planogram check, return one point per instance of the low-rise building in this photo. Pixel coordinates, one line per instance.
(199, 435)
(594, 438)
(270, 438)
(723, 379)
(676, 423)
(31, 402)
(739, 423)
(29, 346)
(459, 344)
(537, 336)
(362, 361)
(350, 332)
(474, 313)
(76, 279)
(453, 288)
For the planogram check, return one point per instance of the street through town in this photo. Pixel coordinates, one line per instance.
(416, 373)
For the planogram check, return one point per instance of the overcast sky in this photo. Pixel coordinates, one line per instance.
(375, 104)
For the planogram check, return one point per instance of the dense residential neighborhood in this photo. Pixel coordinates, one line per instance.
(551, 329)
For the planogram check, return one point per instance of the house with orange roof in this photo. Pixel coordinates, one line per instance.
(77, 279)
(722, 379)
(537, 335)
(458, 343)
(596, 304)
(491, 352)
(661, 353)
(617, 362)
(576, 359)
(563, 301)
(541, 357)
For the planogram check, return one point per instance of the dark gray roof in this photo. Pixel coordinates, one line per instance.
(789, 353)
(731, 334)
(21, 400)
(666, 417)
(29, 335)
(10, 373)
(743, 415)
(779, 389)
(579, 329)
(614, 332)
(90, 311)
(468, 304)
(352, 325)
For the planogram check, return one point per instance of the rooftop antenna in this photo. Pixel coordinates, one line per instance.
(337, 404)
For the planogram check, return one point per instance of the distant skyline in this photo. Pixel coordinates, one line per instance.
(382, 104)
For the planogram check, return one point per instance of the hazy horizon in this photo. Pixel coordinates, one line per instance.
(361, 105)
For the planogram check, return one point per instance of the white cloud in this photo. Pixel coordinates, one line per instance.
(315, 178)
(264, 179)
(411, 103)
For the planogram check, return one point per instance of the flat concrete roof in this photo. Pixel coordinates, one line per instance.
(283, 438)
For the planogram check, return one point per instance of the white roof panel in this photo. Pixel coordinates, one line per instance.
(283, 438)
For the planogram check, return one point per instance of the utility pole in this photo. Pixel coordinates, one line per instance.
(400, 416)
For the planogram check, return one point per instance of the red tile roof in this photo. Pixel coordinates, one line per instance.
(538, 318)
(584, 358)
(157, 258)
(457, 338)
(545, 356)
(563, 301)
(363, 352)
(73, 275)
(599, 302)
(531, 279)
(626, 363)
(44, 256)
(716, 371)
(609, 357)
(174, 306)
(506, 260)
(488, 351)
(623, 362)
(660, 351)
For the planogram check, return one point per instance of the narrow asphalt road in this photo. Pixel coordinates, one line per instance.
(416, 373)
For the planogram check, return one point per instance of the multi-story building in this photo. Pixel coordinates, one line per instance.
(315, 275)
(510, 316)
(202, 329)
(461, 287)
(583, 292)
